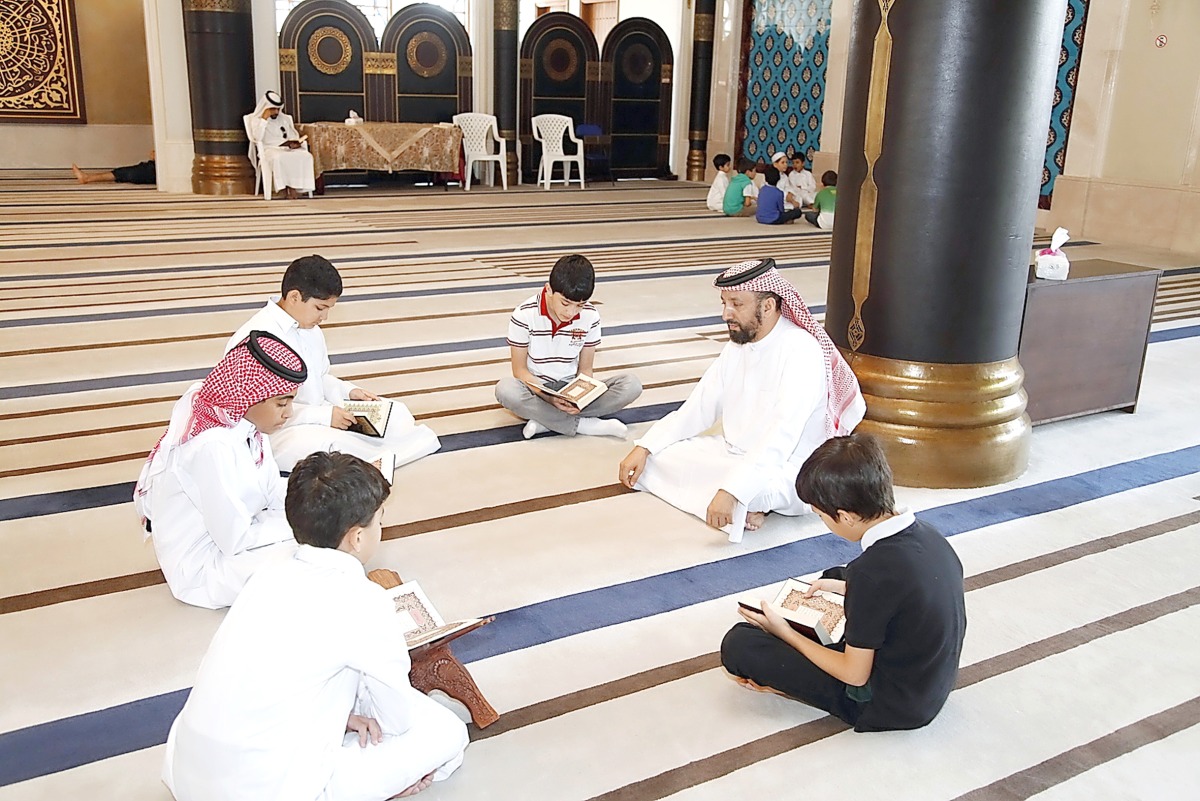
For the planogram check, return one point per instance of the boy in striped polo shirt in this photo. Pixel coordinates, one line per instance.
(552, 338)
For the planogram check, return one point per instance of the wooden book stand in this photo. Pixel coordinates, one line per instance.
(435, 667)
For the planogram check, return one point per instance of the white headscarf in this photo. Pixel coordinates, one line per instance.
(270, 99)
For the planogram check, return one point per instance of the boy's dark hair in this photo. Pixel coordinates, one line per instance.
(772, 174)
(573, 277)
(721, 159)
(848, 474)
(829, 178)
(330, 493)
(746, 165)
(314, 277)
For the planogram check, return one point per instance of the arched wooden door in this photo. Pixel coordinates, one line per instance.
(432, 56)
(559, 74)
(327, 60)
(638, 57)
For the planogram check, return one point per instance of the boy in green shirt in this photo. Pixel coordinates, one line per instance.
(739, 197)
(824, 203)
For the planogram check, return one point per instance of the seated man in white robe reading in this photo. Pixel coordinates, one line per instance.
(278, 141)
(304, 693)
(779, 388)
(320, 422)
(210, 494)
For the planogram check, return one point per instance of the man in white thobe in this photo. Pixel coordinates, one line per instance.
(287, 165)
(304, 694)
(311, 287)
(779, 388)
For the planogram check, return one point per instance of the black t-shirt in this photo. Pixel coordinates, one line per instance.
(904, 600)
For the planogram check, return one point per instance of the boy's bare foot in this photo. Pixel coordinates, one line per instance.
(758, 688)
(423, 784)
(754, 520)
(79, 176)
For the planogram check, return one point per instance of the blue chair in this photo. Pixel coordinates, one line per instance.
(597, 151)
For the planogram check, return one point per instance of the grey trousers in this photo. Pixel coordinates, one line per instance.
(519, 399)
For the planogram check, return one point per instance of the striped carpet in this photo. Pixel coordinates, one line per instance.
(1081, 674)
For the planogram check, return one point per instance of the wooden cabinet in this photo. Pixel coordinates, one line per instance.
(1083, 340)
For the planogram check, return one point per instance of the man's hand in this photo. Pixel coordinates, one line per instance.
(266, 114)
(292, 144)
(826, 584)
(720, 511)
(367, 728)
(341, 418)
(632, 466)
(362, 394)
(768, 620)
(562, 405)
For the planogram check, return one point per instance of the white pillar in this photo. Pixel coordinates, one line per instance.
(266, 48)
(482, 56)
(170, 101)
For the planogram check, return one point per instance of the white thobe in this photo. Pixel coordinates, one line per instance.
(216, 515)
(289, 167)
(308, 430)
(802, 184)
(770, 398)
(309, 641)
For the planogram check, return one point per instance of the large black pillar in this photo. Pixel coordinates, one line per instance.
(944, 134)
(504, 78)
(702, 61)
(219, 38)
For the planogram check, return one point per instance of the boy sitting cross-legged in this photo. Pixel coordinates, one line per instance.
(304, 692)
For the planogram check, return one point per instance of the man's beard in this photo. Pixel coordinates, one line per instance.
(741, 336)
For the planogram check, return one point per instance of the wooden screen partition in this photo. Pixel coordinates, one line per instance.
(559, 74)
(329, 63)
(430, 54)
(637, 68)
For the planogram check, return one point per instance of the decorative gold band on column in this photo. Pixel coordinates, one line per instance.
(222, 175)
(504, 15)
(695, 165)
(697, 135)
(227, 6)
(379, 63)
(946, 425)
(219, 135)
(705, 25)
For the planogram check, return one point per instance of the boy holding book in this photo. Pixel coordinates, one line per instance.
(552, 338)
(304, 692)
(905, 611)
(320, 422)
(716, 193)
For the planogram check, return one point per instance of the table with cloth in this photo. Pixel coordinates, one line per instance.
(384, 146)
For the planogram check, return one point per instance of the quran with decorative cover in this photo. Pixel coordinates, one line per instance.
(370, 417)
(579, 391)
(422, 623)
(821, 617)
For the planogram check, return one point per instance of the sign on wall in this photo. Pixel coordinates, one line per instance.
(41, 79)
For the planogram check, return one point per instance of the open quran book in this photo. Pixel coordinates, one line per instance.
(370, 417)
(422, 623)
(387, 465)
(821, 617)
(579, 391)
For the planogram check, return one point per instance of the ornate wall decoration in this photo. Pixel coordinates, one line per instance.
(1064, 98)
(426, 54)
(329, 50)
(637, 63)
(783, 74)
(40, 76)
(560, 59)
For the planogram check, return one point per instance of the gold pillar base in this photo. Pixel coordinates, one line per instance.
(222, 175)
(510, 166)
(946, 425)
(696, 165)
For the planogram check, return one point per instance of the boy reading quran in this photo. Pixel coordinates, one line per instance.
(304, 692)
(905, 616)
(552, 339)
(210, 493)
(323, 418)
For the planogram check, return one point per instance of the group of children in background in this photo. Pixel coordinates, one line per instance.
(788, 193)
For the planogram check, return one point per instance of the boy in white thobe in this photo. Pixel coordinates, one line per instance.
(803, 184)
(275, 135)
(304, 693)
(311, 286)
(779, 388)
(210, 495)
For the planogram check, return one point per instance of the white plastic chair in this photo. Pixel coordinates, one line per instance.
(262, 167)
(548, 129)
(476, 128)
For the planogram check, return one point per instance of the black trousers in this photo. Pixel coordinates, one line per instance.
(751, 653)
(787, 215)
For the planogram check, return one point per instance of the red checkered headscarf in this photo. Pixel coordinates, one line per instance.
(845, 406)
(260, 367)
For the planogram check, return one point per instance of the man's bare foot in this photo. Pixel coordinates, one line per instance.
(754, 520)
(423, 784)
(79, 176)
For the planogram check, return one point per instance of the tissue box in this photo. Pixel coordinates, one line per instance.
(1052, 264)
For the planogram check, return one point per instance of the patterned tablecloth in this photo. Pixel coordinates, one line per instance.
(387, 146)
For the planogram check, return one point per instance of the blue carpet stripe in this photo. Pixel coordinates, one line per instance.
(1172, 334)
(71, 742)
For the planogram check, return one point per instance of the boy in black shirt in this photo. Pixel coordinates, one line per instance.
(905, 612)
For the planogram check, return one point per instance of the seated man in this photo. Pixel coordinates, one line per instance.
(311, 287)
(905, 613)
(143, 173)
(779, 388)
(210, 495)
(279, 143)
(304, 692)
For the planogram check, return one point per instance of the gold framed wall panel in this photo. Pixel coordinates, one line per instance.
(39, 59)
